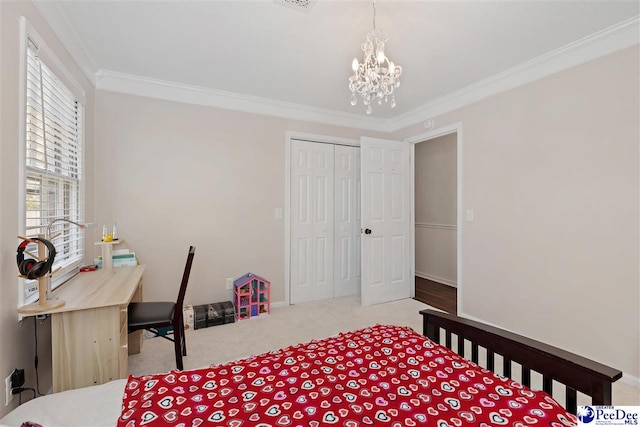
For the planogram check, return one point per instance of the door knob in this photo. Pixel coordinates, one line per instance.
(367, 231)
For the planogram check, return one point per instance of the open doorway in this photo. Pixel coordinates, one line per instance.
(436, 190)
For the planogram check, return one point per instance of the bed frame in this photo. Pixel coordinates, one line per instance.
(576, 373)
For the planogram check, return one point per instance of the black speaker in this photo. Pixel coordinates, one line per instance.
(32, 268)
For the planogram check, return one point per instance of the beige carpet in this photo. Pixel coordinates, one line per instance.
(292, 325)
(283, 327)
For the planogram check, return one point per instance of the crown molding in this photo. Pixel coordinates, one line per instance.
(52, 13)
(609, 40)
(620, 36)
(152, 88)
(601, 43)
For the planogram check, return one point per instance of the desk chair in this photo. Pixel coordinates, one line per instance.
(153, 315)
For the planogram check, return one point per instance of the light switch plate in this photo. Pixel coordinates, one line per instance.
(469, 215)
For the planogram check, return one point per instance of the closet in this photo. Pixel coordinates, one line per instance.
(325, 221)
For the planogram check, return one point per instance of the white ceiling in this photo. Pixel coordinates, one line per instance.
(264, 49)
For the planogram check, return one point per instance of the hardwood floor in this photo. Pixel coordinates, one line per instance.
(437, 295)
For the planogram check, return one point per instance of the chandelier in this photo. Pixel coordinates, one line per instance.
(376, 77)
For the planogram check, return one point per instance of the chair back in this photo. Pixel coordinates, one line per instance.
(185, 280)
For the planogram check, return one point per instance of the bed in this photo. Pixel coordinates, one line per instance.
(381, 375)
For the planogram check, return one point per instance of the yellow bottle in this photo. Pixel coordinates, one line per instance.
(106, 237)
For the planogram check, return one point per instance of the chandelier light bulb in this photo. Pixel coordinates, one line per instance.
(376, 77)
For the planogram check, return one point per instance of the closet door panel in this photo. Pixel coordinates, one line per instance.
(312, 221)
(347, 221)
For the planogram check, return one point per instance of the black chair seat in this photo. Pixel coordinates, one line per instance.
(154, 315)
(149, 314)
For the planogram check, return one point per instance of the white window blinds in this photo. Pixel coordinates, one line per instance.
(53, 164)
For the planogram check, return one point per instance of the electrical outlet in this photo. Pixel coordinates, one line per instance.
(17, 378)
(229, 282)
(8, 397)
(30, 290)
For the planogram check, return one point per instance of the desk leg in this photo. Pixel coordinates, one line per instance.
(135, 338)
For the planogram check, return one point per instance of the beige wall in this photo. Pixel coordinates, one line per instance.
(17, 348)
(436, 209)
(551, 170)
(174, 175)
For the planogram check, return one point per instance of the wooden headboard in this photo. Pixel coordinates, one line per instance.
(577, 373)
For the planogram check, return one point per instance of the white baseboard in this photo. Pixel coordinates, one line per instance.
(433, 278)
(630, 380)
(279, 304)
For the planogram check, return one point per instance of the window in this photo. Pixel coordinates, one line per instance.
(53, 142)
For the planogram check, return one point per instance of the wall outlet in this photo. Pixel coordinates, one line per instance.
(8, 397)
(30, 290)
(230, 282)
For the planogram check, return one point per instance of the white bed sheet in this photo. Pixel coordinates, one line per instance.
(97, 406)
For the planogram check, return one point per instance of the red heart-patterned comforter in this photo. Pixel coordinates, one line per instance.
(383, 375)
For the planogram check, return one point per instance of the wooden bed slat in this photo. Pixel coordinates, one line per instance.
(506, 367)
(474, 353)
(576, 372)
(571, 400)
(491, 359)
(526, 376)
(547, 384)
(461, 345)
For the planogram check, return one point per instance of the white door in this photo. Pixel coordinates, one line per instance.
(386, 220)
(347, 221)
(312, 221)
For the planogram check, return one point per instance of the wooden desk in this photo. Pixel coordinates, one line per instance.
(89, 339)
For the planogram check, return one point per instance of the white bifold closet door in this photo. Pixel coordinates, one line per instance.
(325, 221)
(347, 221)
